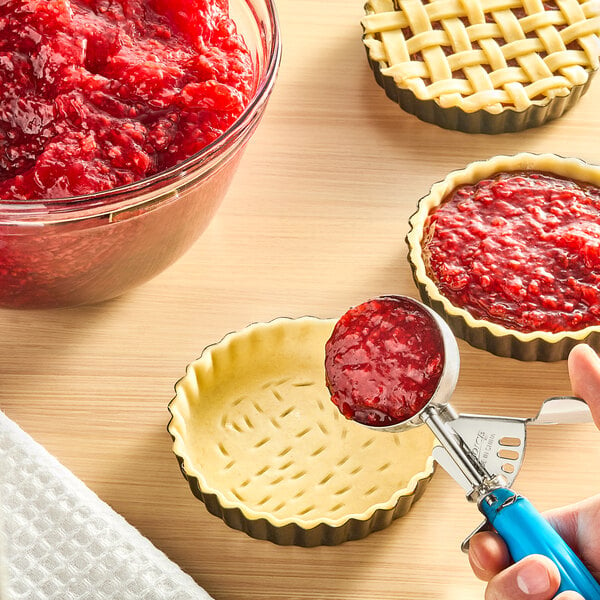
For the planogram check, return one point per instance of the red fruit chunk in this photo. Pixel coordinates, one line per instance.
(96, 94)
(384, 360)
(519, 249)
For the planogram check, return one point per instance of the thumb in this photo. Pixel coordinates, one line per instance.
(584, 372)
(532, 578)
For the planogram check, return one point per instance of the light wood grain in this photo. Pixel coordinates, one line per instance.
(313, 223)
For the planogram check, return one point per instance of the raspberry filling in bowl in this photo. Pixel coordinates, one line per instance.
(520, 249)
(122, 123)
(383, 361)
(97, 94)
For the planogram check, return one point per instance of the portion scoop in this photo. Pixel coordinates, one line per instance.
(387, 359)
(392, 363)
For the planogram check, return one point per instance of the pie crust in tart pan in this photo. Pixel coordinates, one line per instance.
(263, 446)
(479, 332)
(483, 66)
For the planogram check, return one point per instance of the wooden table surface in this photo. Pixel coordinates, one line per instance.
(314, 223)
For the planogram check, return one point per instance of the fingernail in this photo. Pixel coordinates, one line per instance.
(474, 556)
(533, 578)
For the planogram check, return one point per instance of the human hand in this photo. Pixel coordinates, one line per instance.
(536, 577)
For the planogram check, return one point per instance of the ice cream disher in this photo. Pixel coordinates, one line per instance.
(392, 363)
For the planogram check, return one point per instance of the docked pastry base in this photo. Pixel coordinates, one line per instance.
(537, 345)
(262, 445)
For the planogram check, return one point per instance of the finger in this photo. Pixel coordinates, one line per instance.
(577, 524)
(565, 521)
(569, 596)
(532, 578)
(488, 554)
(584, 372)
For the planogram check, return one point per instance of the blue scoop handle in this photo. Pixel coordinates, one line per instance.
(526, 532)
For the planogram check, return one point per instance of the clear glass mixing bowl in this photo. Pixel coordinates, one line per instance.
(87, 249)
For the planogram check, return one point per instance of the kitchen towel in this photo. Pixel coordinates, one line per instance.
(59, 541)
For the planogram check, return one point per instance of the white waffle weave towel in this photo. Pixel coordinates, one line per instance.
(59, 541)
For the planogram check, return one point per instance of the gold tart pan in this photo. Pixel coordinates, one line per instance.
(537, 345)
(509, 120)
(264, 448)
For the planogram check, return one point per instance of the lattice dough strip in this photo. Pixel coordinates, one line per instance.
(502, 77)
(566, 59)
(571, 9)
(479, 78)
(436, 63)
(440, 10)
(509, 25)
(521, 48)
(406, 71)
(473, 11)
(517, 95)
(493, 100)
(413, 74)
(441, 88)
(545, 25)
(493, 54)
(457, 35)
(484, 31)
(591, 46)
(490, 6)
(581, 30)
(427, 39)
(533, 6)
(376, 49)
(590, 9)
(576, 74)
(382, 22)
(381, 6)
(534, 66)
(395, 48)
(469, 58)
(417, 15)
(551, 86)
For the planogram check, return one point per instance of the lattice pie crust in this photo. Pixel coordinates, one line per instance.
(485, 54)
(255, 426)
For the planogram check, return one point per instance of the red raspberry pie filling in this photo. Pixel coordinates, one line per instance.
(383, 361)
(519, 249)
(507, 250)
(97, 94)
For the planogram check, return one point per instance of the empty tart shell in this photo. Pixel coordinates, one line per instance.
(262, 445)
(483, 66)
(481, 333)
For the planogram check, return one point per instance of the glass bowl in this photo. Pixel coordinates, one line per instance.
(87, 249)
